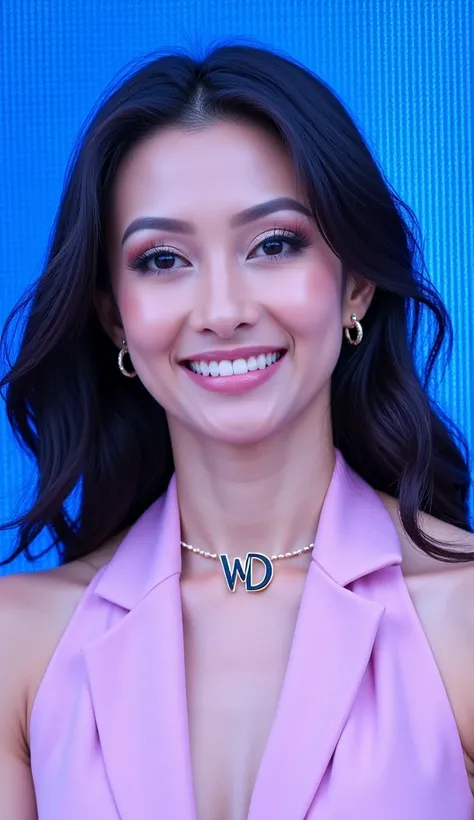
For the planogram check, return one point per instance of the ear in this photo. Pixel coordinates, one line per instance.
(109, 316)
(358, 295)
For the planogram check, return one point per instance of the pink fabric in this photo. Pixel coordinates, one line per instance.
(363, 730)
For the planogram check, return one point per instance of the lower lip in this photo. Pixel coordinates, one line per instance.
(234, 384)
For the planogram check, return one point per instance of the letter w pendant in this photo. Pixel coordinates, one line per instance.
(244, 572)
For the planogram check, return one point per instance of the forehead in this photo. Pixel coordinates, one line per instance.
(225, 166)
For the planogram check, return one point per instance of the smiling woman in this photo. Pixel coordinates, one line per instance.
(227, 236)
(224, 286)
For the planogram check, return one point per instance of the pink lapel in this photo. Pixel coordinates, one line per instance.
(136, 673)
(332, 645)
(136, 669)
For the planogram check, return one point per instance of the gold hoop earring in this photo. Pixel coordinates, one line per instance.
(354, 326)
(130, 374)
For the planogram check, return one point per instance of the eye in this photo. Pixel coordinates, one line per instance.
(280, 244)
(157, 260)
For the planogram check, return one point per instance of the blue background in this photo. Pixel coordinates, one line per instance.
(402, 67)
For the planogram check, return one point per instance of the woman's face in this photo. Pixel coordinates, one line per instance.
(218, 267)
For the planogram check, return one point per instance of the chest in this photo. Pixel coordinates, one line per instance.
(363, 726)
(236, 648)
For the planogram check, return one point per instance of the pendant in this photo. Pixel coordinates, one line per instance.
(244, 571)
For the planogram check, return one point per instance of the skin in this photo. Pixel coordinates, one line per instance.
(223, 291)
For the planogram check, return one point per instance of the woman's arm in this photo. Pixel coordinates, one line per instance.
(17, 799)
(462, 604)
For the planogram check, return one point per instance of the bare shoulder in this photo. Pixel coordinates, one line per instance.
(35, 609)
(28, 596)
(444, 602)
(443, 597)
(31, 601)
(416, 562)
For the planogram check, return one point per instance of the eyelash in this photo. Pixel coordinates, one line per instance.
(297, 239)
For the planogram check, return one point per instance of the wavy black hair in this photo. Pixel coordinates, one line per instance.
(88, 427)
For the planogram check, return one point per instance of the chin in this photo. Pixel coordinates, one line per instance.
(240, 432)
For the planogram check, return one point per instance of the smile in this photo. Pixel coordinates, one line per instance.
(234, 367)
(234, 376)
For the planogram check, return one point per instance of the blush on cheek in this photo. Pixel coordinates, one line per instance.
(150, 322)
(311, 307)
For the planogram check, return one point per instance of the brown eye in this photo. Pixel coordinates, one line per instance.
(280, 244)
(163, 260)
(158, 260)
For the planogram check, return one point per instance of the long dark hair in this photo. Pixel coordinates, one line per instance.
(89, 428)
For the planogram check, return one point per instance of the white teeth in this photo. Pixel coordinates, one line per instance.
(225, 368)
(238, 367)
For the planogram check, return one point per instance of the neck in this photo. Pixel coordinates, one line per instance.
(265, 497)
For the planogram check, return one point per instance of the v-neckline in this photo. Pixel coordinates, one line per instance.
(137, 677)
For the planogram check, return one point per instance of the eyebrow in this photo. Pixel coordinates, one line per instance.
(283, 203)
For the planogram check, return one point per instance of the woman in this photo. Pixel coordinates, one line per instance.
(264, 606)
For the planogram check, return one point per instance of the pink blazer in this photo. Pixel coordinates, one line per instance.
(363, 729)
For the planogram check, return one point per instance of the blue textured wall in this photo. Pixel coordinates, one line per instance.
(401, 66)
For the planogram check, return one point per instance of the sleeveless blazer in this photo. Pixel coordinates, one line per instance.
(363, 729)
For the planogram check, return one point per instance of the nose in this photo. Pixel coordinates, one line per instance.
(223, 301)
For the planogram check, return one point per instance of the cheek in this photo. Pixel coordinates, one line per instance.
(309, 303)
(150, 314)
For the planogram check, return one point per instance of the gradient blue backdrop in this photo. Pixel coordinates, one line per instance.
(403, 68)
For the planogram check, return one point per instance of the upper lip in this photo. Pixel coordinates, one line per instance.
(231, 353)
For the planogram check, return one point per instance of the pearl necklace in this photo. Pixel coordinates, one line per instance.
(244, 570)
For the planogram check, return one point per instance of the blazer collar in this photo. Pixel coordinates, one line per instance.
(136, 669)
(355, 534)
(148, 555)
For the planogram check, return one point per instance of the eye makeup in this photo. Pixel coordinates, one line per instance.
(272, 243)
